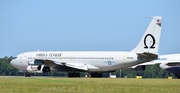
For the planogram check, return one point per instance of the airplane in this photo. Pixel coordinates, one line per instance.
(94, 62)
(172, 64)
(168, 62)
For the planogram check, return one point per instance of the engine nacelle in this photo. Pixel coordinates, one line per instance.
(142, 67)
(38, 69)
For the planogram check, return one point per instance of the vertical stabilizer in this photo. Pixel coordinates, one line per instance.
(149, 43)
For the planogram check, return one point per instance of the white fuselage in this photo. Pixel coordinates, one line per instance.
(101, 61)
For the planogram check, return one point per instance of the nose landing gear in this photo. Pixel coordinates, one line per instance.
(27, 74)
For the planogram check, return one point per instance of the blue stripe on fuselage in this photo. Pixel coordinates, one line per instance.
(175, 69)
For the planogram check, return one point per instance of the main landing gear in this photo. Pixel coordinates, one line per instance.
(27, 74)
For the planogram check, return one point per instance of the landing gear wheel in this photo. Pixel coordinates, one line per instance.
(27, 74)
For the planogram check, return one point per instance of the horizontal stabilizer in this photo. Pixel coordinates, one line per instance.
(147, 56)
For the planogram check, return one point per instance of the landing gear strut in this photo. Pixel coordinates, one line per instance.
(27, 74)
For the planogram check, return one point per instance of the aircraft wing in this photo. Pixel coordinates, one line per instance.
(79, 66)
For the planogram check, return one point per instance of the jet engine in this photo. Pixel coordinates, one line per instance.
(38, 69)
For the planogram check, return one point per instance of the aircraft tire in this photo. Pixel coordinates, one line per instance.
(27, 74)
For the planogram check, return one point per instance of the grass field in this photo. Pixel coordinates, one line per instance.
(87, 85)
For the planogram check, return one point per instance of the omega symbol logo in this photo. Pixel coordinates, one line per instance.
(153, 43)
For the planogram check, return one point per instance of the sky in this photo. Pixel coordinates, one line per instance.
(84, 25)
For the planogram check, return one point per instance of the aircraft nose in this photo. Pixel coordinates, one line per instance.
(13, 62)
(162, 65)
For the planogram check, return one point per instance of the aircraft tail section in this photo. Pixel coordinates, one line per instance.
(149, 43)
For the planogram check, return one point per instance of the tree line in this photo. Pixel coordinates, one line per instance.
(152, 71)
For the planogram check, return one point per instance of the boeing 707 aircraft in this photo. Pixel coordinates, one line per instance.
(94, 62)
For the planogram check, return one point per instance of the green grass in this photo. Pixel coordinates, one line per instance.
(87, 85)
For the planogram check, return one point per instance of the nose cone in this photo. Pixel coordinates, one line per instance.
(13, 62)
